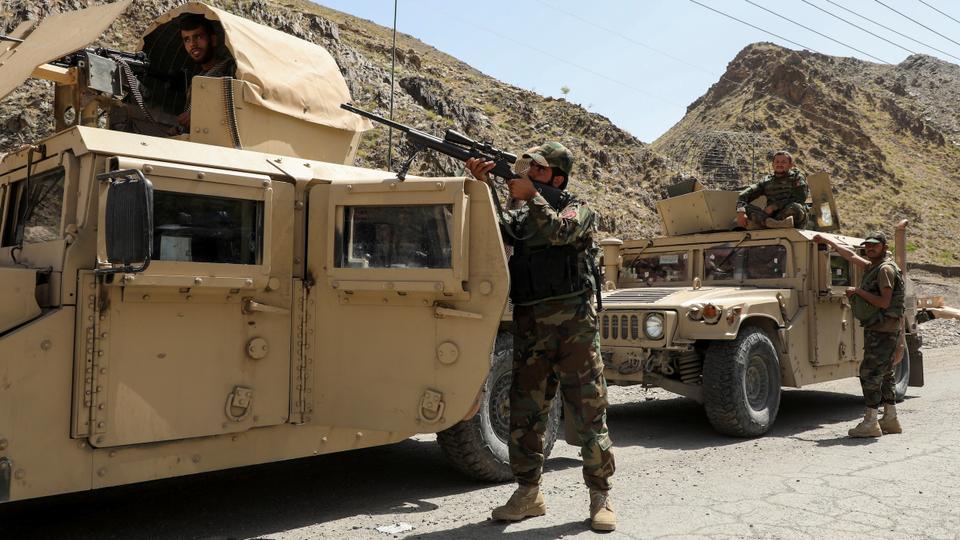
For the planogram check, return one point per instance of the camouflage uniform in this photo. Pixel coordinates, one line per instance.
(880, 335)
(556, 344)
(788, 193)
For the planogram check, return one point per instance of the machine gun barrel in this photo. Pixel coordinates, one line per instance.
(462, 148)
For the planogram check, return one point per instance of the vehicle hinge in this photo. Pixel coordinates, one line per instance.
(303, 348)
(98, 380)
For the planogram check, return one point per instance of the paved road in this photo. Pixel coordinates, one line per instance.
(676, 478)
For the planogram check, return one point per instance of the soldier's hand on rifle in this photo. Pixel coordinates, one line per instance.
(480, 168)
(770, 209)
(522, 189)
(742, 219)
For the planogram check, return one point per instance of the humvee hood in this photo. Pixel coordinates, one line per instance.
(57, 36)
(667, 297)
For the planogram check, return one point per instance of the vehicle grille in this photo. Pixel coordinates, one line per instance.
(638, 296)
(619, 326)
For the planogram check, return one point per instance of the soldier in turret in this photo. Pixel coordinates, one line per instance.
(879, 305)
(786, 191)
(556, 339)
(202, 43)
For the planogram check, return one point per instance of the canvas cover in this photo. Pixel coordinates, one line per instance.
(55, 37)
(290, 75)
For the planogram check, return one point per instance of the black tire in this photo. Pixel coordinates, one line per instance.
(901, 373)
(478, 447)
(741, 384)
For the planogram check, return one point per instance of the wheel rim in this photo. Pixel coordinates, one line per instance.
(500, 407)
(756, 382)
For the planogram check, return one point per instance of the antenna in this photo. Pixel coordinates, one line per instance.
(393, 69)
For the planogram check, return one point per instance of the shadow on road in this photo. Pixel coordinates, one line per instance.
(397, 479)
(253, 501)
(680, 423)
(498, 529)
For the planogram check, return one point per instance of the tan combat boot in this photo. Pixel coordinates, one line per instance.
(602, 516)
(526, 501)
(889, 423)
(785, 223)
(869, 427)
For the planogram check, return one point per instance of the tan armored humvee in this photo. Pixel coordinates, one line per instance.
(729, 317)
(230, 296)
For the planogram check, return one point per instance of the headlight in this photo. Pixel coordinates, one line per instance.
(653, 326)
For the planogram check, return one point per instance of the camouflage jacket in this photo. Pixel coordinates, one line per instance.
(779, 190)
(538, 226)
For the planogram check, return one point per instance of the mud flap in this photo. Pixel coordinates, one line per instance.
(5, 467)
(569, 428)
(916, 371)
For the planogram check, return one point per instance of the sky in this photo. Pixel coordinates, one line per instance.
(640, 63)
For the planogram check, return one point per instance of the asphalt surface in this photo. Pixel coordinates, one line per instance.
(675, 478)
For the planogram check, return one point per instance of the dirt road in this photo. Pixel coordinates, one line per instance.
(675, 477)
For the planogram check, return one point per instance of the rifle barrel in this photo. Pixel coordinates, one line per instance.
(374, 117)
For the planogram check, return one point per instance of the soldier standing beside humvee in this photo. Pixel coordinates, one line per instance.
(786, 191)
(557, 341)
(879, 305)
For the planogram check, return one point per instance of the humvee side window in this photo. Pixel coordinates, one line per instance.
(34, 209)
(205, 228)
(839, 271)
(750, 262)
(395, 237)
(658, 268)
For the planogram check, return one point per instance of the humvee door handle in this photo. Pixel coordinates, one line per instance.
(250, 306)
(443, 312)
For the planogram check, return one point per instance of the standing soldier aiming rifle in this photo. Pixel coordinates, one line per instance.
(879, 305)
(556, 340)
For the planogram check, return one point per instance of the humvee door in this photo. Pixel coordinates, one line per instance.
(409, 286)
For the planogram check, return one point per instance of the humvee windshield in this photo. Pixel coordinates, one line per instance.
(33, 213)
(204, 228)
(659, 268)
(745, 262)
(396, 237)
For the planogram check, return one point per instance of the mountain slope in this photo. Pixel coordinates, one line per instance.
(889, 135)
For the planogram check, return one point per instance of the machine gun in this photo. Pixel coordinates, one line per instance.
(98, 73)
(461, 147)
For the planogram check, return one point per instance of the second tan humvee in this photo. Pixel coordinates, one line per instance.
(729, 317)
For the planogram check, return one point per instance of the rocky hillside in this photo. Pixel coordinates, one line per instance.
(888, 134)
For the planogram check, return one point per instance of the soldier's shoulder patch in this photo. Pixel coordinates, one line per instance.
(569, 213)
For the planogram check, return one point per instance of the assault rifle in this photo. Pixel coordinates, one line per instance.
(461, 147)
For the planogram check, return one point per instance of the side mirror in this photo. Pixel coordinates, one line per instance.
(128, 223)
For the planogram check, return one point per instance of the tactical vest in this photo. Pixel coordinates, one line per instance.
(867, 313)
(782, 191)
(548, 271)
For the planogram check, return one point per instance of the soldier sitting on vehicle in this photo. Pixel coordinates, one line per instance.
(786, 191)
(203, 45)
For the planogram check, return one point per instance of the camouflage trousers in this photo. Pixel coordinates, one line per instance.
(557, 345)
(758, 217)
(876, 370)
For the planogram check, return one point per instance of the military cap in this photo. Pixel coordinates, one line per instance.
(876, 237)
(552, 154)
